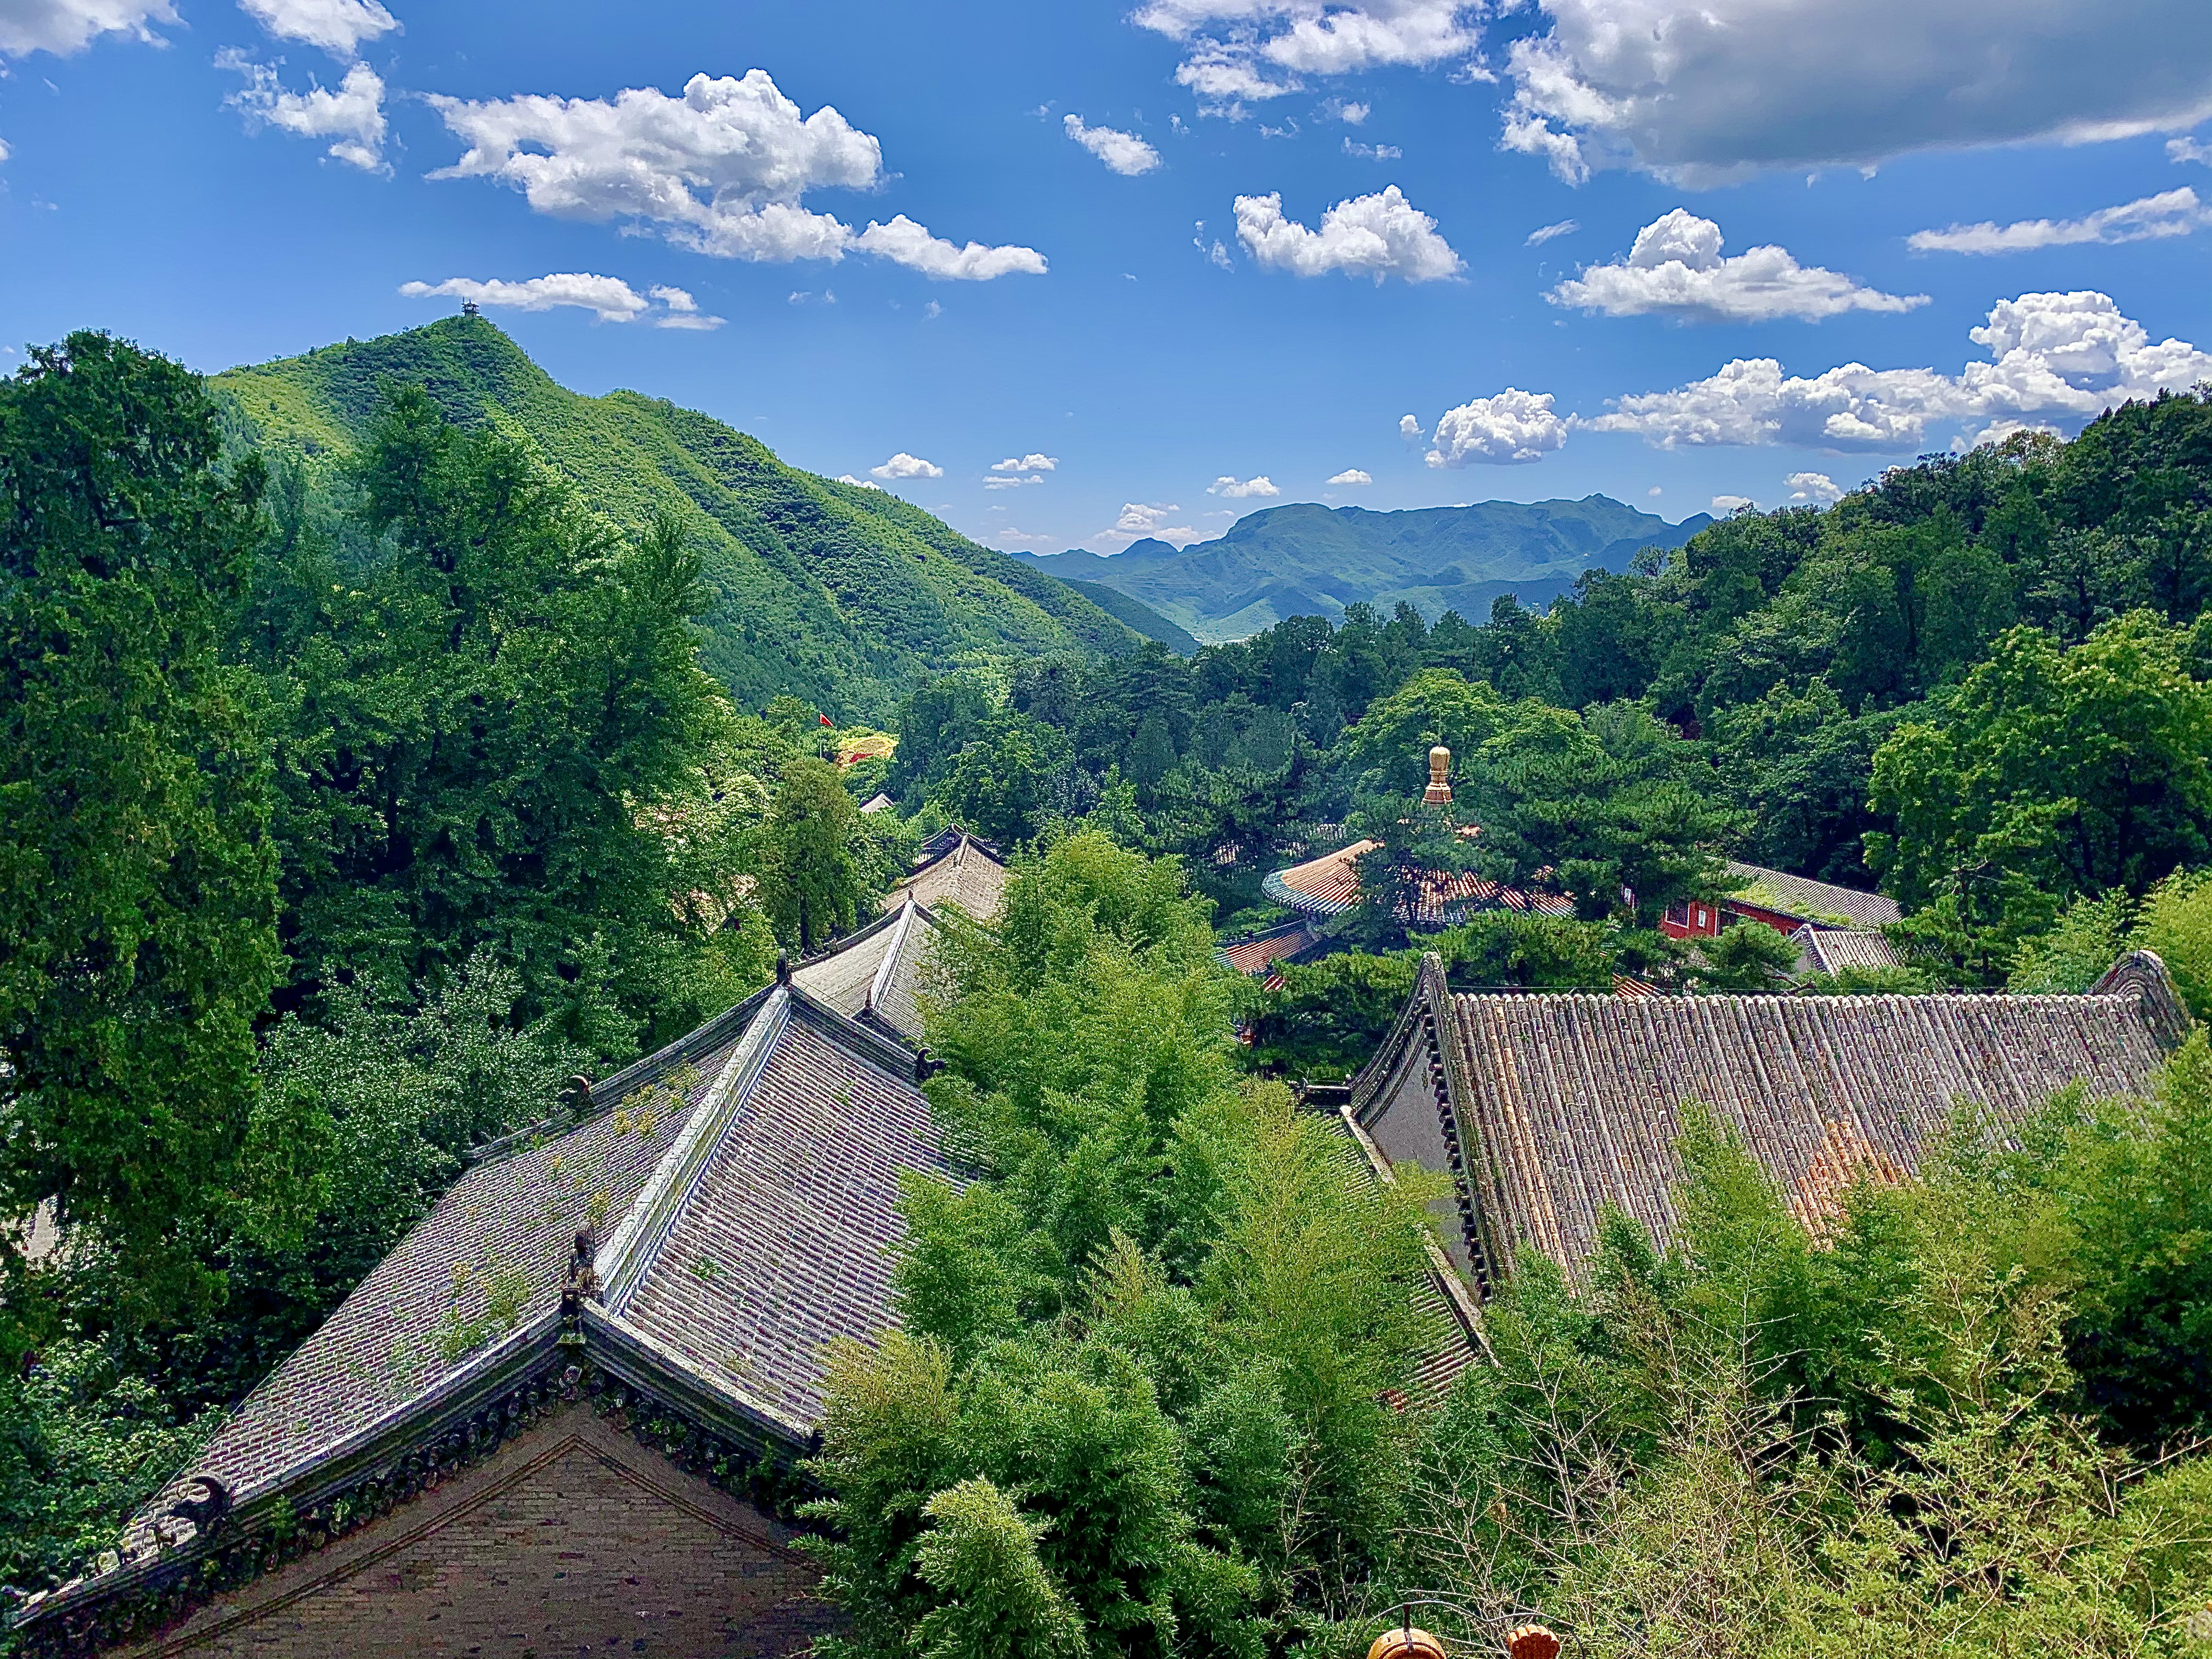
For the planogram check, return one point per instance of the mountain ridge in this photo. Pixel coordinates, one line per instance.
(847, 597)
(1303, 558)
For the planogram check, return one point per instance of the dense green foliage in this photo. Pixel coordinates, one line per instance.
(1138, 1404)
(345, 821)
(138, 893)
(845, 597)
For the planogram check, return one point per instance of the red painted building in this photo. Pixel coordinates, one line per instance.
(1783, 902)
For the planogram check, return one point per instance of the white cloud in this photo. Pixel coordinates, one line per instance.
(1724, 505)
(1140, 519)
(1513, 427)
(1379, 235)
(1373, 152)
(1656, 491)
(721, 170)
(1544, 234)
(1225, 485)
(904, 466)
(1676, 269)
(3, 150)
(2188, 149)
(1409, 428)
(1236, 50)
(352, 117)
(1011, 481)
(1351, 475)
(906, 243)
(1816, 486)
(2055, 360)
(338, 26)
(1030, 463)
(864, 483)
(64, 26)
(2169, 213)
(1351, 114)
(609, 299)
(1123, 152)
(1705, 91)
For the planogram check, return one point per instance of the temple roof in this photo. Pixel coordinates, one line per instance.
(1329, 886)
(875, 976)
(1831, 949)
(1258, 953)
(954, 867)
(742, 1186)
(1808, 899)
(1550, 1108)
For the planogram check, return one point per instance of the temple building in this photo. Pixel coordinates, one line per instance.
(565, 1414)
(1548, 1107)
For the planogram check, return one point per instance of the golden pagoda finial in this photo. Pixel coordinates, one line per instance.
(1438, 794)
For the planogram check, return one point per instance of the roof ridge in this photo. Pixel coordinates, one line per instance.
(628, 1252)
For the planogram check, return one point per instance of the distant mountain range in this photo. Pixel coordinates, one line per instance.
(1313, 561)
(848, 598)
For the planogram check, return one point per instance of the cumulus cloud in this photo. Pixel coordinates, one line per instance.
(904, 466)
(1351, 114)
(1815, 487)
(1410, 428)
(609, 299)
(1544, 234)
(1707, 90)
(1029, 463)
(1373, 152)
(721, 170)
(1012, 480)
(2188, 149)
(1511, 429)
(1240, 50)
(64, 26)
(1351, 475)
(2055, 360)
(1379, 235)
(338, 26)
(352, 117)
(1229, 487)
(1123, 152)
(1724, 505)
(2169, 213)
(1676, 269)
(864, 483)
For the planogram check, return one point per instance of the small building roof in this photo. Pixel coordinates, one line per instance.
(1807, 899)
(1329, 886)
(1549, 1107)
(955, 867)
(1259, 952)
(879, 802)
(1830, 949)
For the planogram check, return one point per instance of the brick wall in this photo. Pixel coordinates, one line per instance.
(573, 1540)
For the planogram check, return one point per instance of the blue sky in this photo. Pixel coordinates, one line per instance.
(228, 183)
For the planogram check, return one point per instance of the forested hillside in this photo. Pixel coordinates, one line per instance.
(1306, 559)
(844, 596)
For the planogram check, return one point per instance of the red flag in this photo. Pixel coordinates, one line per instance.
(825, 719)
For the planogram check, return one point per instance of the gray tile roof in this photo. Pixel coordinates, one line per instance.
(1831, 949)
(875, 976)
(1553, 1107)
(957, 869)
(1808, 899)
(775, 1155)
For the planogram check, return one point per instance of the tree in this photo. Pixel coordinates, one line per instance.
(1610, 806)
(476, 727)
(1017, 774)
(1748, 956)
(811, 882)
(138, 884)
(2049, 772)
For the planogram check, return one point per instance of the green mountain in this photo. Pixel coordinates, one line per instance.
(1137, 614)
(1309, 560)
(844, 596)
